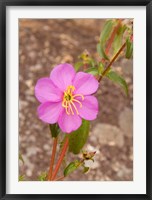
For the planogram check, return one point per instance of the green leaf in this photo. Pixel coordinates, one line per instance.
(91, 62)
(118, 79)
(21, 178)
(77, 65)
(117, 43)
(100, 68)
(78, 138)
(106, 32)
(72, 167)
(55, 130)
(101, 51)
(92, 70)
(85, 169)
(43, 176)
(104, 36)
(129, 48)
(21, 158)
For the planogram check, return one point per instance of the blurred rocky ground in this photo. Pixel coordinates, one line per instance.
(44, 44)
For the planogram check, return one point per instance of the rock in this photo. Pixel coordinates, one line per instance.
(108, 134)
(126, 122)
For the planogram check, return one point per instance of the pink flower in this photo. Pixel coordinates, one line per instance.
(66, 98)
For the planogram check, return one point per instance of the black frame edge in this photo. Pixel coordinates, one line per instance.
(2, 101)
(76, 2)
(149, 99)
(3, 4)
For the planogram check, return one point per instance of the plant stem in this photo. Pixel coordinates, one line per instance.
(59, 178)
(111, 62)
(60, 158)
(113, 36)
(52, 158)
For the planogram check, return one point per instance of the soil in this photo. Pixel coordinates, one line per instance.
(44, 44)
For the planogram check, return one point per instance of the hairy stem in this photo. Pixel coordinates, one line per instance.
(52, 158)
(60, 159)
(111, 62)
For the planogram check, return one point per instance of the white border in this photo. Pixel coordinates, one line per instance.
(138, 185)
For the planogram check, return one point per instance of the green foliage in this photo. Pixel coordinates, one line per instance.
(55, 130)
(21, 158)
(78, 138)
(129, 48)
(92, 70)
(79, 163)
(104, 36)
(96, 70)
(72, 167)
(77, 65)
(117, 43)
(42, 176)
(106, 32)
(118, 79)
(85, 169)
(101, 52)
(21, 178)
(100, 68)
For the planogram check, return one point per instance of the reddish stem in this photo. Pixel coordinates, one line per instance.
(60, 158)
(59, 178)
(110, 41)
(113, 36)
(52, 158)
(111, 62)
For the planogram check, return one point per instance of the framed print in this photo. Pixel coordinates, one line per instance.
(75, 99)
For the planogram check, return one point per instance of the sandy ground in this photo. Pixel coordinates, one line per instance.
(44, 44)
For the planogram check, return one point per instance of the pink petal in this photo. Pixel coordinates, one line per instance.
(69, 123)
(85, 83)
(89, 109)
(45, 90)
(62, 76)
(49, 111)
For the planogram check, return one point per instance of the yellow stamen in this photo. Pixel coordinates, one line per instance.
(75, 108)
(66, 108)
(70, 108)
(79, 95)
(78, 102)
(63, 103)
(69, 99)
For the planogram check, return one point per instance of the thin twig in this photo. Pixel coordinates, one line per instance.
(52, 158)
(110, 41)
(59, 178)
(60, 158)
(111, 62)
(112, 37)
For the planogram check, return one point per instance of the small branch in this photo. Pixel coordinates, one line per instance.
(113, 36)
(111, 62)
(60, 158)
(59, 178)
(52, 158)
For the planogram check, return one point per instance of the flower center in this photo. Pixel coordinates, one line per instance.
(69, 100)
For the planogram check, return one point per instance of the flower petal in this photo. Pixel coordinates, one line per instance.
(62, 76)
(89, 109)
(69, 123)
(49, 112)
(85, 83)
(45, 90)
